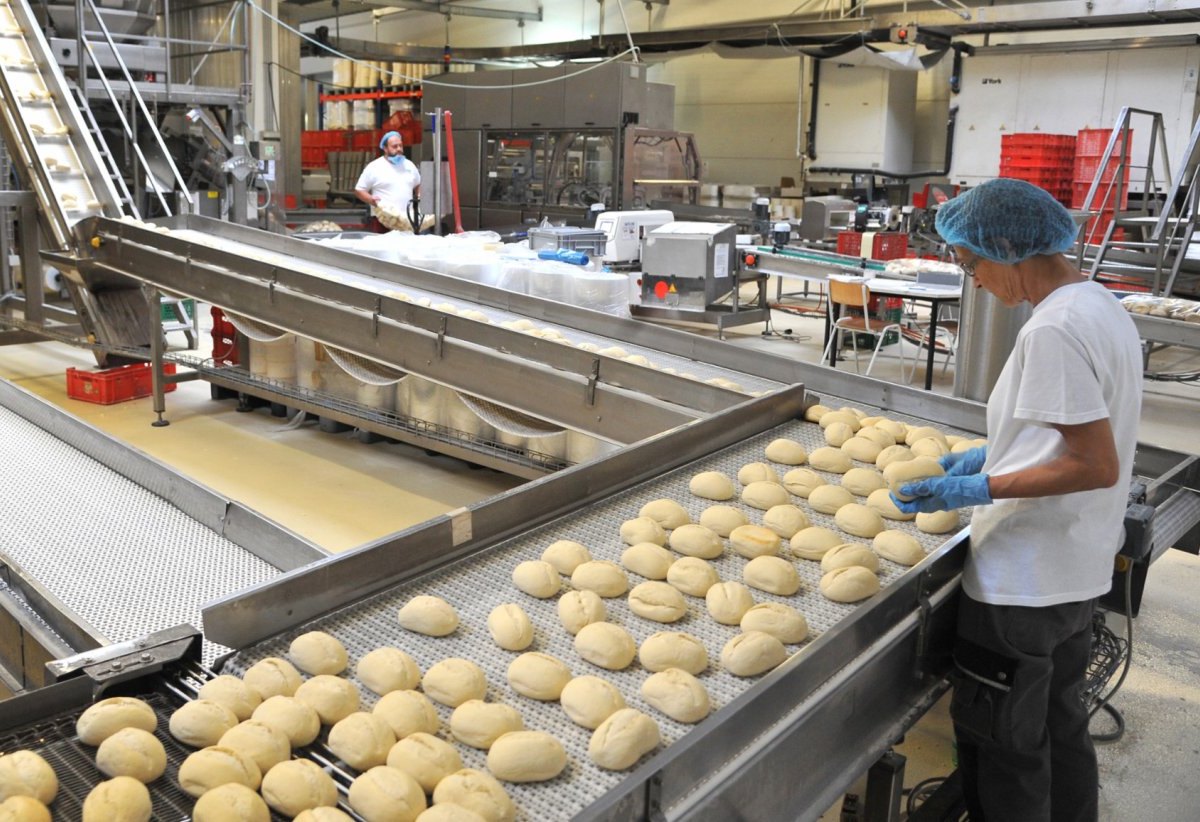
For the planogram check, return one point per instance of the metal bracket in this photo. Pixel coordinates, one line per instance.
(924, 609)
(135, 657)
(375, 317)
(271, 285)
(593, 380)
(654, 809)
(441, 337)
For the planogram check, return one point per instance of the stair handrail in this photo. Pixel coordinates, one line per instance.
(110, 162)
(137, 96)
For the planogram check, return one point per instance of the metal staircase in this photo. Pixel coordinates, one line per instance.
(1152, 251)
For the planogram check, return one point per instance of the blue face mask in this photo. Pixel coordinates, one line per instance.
(398, 160)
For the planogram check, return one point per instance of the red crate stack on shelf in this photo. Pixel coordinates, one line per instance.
(1045, 160)
(1089, 151)
(891, 246)
(314, 145)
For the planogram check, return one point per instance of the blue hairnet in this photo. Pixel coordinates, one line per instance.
(388, 136)
(1007, 221)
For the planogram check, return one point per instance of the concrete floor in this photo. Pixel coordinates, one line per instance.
(341, 493)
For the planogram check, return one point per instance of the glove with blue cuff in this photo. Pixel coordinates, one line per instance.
(944, 494)
(964, 462)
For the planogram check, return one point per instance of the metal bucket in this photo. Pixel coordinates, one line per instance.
(987, 333)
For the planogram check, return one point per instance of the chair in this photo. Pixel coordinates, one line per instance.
(945, 342)
(856, 294)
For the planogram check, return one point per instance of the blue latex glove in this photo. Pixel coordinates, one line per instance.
(964, 462)
(944, 493)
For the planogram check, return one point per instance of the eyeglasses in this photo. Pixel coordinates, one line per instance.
(967, 266)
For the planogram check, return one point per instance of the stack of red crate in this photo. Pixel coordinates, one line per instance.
(314, 145)
(889, 246)
(1042, 159)
(1089, 151)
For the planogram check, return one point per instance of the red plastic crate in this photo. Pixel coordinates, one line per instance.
(113, 385)
(1091, 142)
(1032, 139)
(1079, 192)
(1085, 168)
(366, 140)
(891, 246)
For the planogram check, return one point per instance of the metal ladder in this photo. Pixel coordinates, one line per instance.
(110, 163)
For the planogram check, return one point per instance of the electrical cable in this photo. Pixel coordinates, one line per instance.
(1103, 703)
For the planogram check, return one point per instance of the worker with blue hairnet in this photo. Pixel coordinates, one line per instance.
(1049, 493)
(390, 182)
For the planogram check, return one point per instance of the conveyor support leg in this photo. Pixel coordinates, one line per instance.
(885, 782)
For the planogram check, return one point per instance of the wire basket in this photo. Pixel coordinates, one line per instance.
(1108, 652)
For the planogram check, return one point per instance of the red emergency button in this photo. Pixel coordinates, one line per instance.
(660, 289)
(751, 259)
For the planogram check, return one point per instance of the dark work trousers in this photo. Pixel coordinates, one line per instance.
(1021, 726)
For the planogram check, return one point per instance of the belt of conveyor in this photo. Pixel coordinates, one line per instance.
(482, 581)
(125, 560)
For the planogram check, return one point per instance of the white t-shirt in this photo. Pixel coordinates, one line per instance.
(1078, 359)
(392, 184)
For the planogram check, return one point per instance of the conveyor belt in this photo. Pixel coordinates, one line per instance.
(482, 581)
(126, 561)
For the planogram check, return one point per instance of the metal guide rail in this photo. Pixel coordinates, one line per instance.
(742, 721)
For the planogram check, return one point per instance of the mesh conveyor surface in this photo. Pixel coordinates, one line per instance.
(496, 316)
(480, 582)
(126, 561)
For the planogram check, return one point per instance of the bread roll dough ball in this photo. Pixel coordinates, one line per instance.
(579, 608)
(845, 417)
(298, 785)
(764, 495)
(893, 453)
(858, 520)
(566, 555)
(266, 745)
(233, 693)
(802, 481)
(938, 522)
(757, 472)
(752, 653)
(589, 700)
(666, 512)
(697, 541)
(361, 740)
(785, 451)
(814, 412)
(921, 432)
(894, 427)
(273, 676)
(712, 485)
(407, 713)
(602, 577)
(847, 554)
(622, 739)
(231, 803)
(385, 794)
(212, 767)
(881, 501)
(454, 681)
(606, 645)
(849, 584)
(509, 627)
(23, 809)
(648, 560)
(930, 447)
(431, 616)
(899, 474)
(673, 649)
(642, 529)
(829, 498)
(677, 694)
(479, 724)
(752, 541)
(333, 698)
(122, 799)
(728, 602)
(447, 812)
(537, 578)
(132, 752)
(25, 773)
(425, 758)
(838, 433)
(774, 575)
(785, 520)
(106, 717)
(526, 756)
(201, 723)
(657, 601)
(538, 676)
(692, 575)
(327, 815)
(478, 792)
(316, 652)
(834, 460)
(876, 435)
(291, 717)
(899, 547)
(388, 669)
(862, 449)
(814, 542)
(964, 445)
(862, 481)
(781, 621)
(722, 519)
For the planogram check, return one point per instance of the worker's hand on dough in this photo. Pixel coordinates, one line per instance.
(944, 494)
(964, 462)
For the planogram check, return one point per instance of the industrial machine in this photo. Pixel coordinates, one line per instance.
(625, 232)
